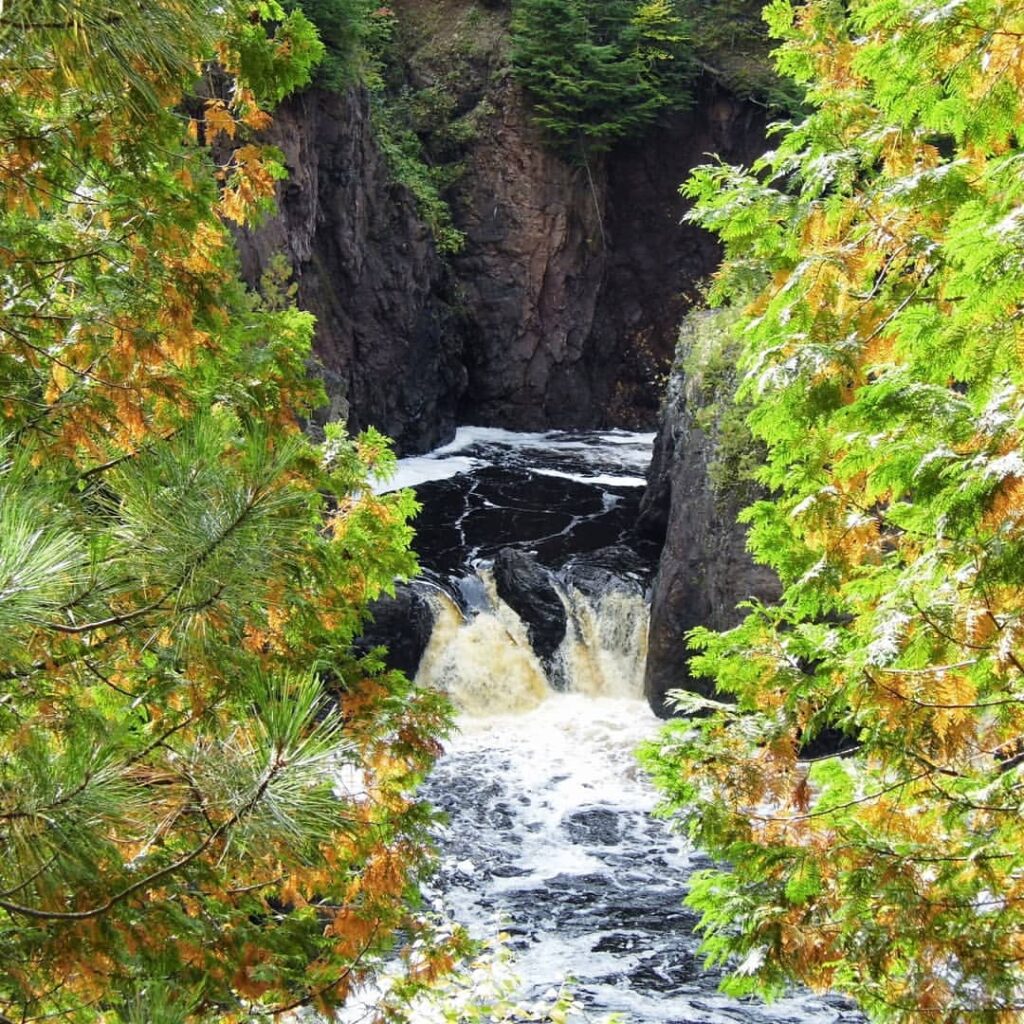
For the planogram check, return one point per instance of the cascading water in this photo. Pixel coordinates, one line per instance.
(540, 625)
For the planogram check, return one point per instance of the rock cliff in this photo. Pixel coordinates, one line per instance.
(561, 308)
(389, 335)
(698, 482)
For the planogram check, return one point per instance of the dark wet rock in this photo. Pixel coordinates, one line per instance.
(403, 625)
(595, 826)
(618, 942)
(704, 570)
(389, 332)
(618, 568)
(526, 587)
(508, 871)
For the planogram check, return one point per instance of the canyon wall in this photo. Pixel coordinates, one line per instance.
(561, 308)
(700, 479)
(389, 336)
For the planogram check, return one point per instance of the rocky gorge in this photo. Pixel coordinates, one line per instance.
(559, 310)
(560, 406)
(561, 307)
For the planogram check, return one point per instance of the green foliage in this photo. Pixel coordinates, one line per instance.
(599, 71)
(345, 28)
(882, 363)
(731, 42)
(361, 46)
(403, 150)
(275, 66)
(205, 798)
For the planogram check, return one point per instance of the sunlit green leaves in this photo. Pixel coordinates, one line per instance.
(882, 358)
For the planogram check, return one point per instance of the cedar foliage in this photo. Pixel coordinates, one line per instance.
(204, 798)
(343, 26)
(884, 236)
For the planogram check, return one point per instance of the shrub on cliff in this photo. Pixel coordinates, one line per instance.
(884, 236)
(190, 828)
(598, 71)
(344, 27)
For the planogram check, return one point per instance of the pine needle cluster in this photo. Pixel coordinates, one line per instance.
(205, 808)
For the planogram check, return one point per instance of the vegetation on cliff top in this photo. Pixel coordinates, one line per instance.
(884, 237)
(598, 71)
(205, 806)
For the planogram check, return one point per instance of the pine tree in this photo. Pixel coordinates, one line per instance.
(599, 71)
(884, 238)
(205, 806)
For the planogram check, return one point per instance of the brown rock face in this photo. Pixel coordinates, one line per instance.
(388, 338)
(560, 311)
(531, 271)
(576, 277)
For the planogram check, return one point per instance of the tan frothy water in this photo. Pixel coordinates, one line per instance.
(484, 660)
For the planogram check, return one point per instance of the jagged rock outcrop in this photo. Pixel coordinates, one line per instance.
(526, 587)
(402, 624)
(388, 337)
(696, 488)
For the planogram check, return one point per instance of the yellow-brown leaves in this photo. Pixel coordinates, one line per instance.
(243, 980)
(354, 930)
(249, 182)
(218, 120)
(1005, 513)
(1002, 60)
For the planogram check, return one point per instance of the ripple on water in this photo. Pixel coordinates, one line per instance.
(550, 831)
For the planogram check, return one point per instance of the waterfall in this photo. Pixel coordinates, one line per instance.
(484, 661)
(605, 648)
(539, 634)
(483, 658)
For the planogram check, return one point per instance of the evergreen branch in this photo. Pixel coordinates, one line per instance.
(321, 990)
(936, 705)
(127, 456)
(31, 878)
(182, 862)
(868, 798)
(159, 604)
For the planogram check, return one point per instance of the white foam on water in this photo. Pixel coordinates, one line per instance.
(421, 469)
(551, 813)
(631, 450)
(466, 436)
(606, 479)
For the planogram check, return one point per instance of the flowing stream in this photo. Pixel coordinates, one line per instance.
(550, 836)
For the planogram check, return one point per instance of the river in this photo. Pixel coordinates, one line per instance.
(550, 835)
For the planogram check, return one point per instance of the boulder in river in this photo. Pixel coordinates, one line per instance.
(403, 625)
(527, 588)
